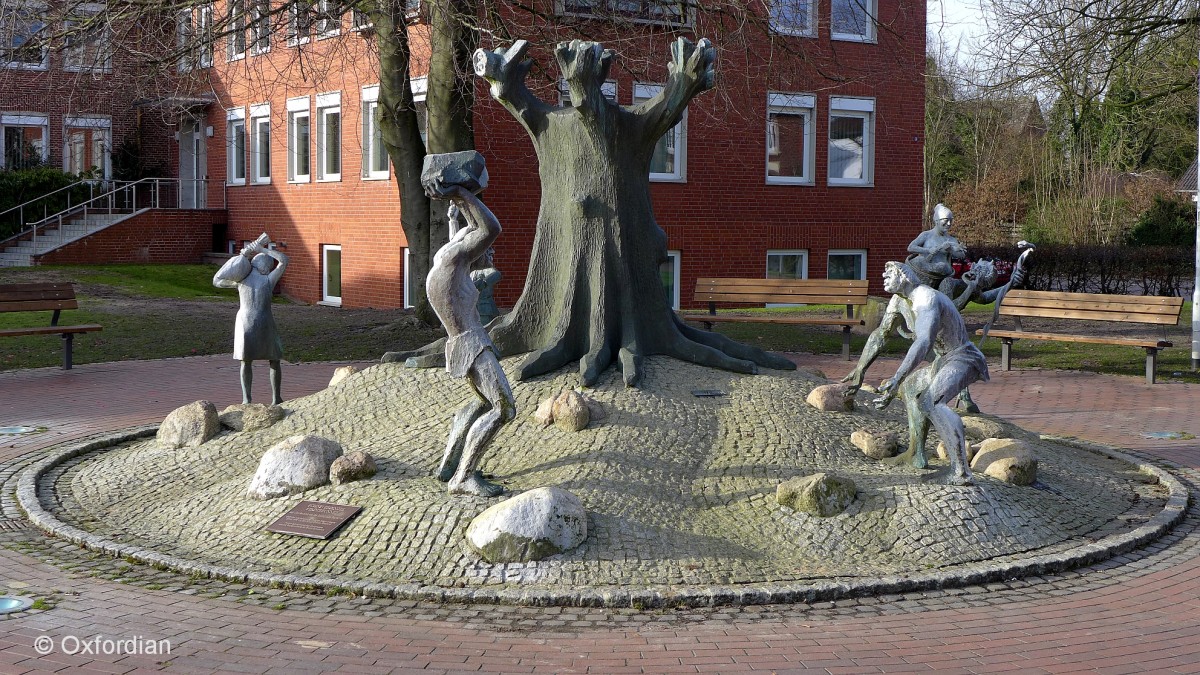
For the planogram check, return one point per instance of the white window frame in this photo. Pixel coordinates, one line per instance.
(234, 118)
(645, 92)
(260, 27)
(185, 38)
(360, 21)
(331, 22)
(792, 104)
(871, 8)
(862, 108)
(803, 253)
(33, 8)
(79, 52)
(622, 10)
(204, 28)
(407, 266)
(260, 163)
(420, 87)
(675, 259)
(608, 89)
(25, 120)
(237, 26)
(326, 298)
(93, 122)
(847, 251)
(327, 104)
(370, 129)
(782, 27)
(300, 23)
(298, 108)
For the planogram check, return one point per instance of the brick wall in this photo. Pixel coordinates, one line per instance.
(156, 237)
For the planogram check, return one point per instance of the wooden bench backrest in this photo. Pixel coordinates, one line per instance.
(759, 291)
(35, 297)
(1153, 309)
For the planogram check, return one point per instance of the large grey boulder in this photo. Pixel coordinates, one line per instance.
(876, 445)
(465, 168)
(190, 425)
(1006, 459)
(821, 494)
(293, 465)
(531, 526)
(570, 411)
(250, 416)
(832, 398)
(978, 428)
(352, 466)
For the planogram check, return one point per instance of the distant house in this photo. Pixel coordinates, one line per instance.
(1186, 185)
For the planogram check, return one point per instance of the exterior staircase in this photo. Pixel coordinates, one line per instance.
(20, 252)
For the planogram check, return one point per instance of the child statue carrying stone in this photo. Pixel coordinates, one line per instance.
(454, 296)
(255, 272)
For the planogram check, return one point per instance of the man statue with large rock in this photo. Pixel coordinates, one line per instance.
(934, 322)
(254, 273)
(935, 250)
(454, 296)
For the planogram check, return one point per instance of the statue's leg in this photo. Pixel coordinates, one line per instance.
(965, 402)
(489, 381)
(918, 421)
(276, 380)
(463, 419)
(946, 384)
(247, 380)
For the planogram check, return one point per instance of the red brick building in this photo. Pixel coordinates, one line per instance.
(805, 160)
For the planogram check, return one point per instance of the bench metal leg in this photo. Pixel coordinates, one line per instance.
(845, 343)
(1006, 353)
(68, 342)
(1151, 363)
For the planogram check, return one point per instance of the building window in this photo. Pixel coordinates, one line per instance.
(375, 158)
(851, 145)
(87, 40)
(794, 17)
(185, 39)
(847, 264)
(23, 141)
(237, 30)
(260, 143)
(299, 26)
(668, 271)
(260, 27)
(204, 29)
(23, 35)
(853, 20)
(791, 133)
(419, 87)
(331, 274)
(329, 137)
(329, 18)
(672, 12)
(235, 146)
(791, 264)
(298, 140)
(87, 145)
(407, 281)
(360, 20)
(669, 161)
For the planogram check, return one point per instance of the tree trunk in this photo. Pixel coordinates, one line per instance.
(593, 292)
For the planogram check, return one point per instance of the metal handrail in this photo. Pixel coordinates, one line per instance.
(91, 194)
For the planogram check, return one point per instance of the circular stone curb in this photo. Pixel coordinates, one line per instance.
(637, 597)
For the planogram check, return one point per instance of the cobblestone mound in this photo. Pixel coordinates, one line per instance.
(679, 490)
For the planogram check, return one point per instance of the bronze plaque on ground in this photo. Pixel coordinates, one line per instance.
(317, 520)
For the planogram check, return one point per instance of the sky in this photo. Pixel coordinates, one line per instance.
(955, 20)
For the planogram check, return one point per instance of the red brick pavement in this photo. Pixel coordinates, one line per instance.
(1147, 621)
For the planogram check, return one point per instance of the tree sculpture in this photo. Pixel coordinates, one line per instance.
(593, 292)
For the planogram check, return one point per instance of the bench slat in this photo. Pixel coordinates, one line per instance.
(1117, 306)
(732, 318)
(760, 298)
(50, 330)
(785, 283)
(1092, 339)
(37, 305)
(39, 287)
(1092, 315)
(1166, 300)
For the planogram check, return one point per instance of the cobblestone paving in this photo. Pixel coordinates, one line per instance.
(680, 491)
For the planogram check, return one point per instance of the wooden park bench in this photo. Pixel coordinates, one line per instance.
(42, 297)
(1153, 310)
(851, 293)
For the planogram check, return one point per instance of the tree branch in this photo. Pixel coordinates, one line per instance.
(691, 71)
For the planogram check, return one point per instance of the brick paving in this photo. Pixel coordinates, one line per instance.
(1135, 613)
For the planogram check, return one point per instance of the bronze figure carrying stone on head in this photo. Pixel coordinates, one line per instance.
(255, 272)
(454, 296)
(935, 249)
